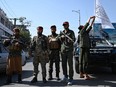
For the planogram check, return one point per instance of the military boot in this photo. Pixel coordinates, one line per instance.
(57, 76)
(34, 80)
(50, 77)
(8, 80)
(44, 80)
(19, 78)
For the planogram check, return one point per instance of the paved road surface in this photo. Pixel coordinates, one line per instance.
(101, 78)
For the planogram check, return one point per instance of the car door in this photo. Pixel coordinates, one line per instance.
(3, 57)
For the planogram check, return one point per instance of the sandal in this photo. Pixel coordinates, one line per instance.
(87, 78)
(82, 75)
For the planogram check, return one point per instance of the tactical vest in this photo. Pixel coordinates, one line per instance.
(14, 46)
(54, 43)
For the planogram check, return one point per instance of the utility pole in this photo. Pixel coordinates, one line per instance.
(14, 19)
(21, 19)
(79, 16)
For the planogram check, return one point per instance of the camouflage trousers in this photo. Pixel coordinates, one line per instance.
(39, 60)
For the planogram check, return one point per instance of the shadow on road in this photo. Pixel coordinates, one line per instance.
(27, 74)
(101, 77)
(49, 83)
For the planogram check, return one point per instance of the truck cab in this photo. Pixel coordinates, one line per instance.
(102, 53)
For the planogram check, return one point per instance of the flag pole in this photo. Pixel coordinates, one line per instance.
(95, 15)
(95, 8)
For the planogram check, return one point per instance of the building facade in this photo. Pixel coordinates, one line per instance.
(5, 25)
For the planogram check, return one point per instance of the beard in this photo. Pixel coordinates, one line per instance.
(53, 33)
(66, 28)
(39, 33)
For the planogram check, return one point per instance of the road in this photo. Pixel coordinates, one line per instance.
(101, 77)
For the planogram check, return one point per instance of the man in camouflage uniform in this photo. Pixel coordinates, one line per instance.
(54, 48)
(84, 44)
(14, 61)
(40, 48)
(68, 38)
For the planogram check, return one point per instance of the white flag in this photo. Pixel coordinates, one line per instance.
(101, 14)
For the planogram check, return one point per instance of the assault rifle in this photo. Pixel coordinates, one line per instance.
(61, 32)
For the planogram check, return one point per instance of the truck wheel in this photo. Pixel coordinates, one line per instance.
(113, 67)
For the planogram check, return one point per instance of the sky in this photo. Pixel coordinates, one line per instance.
(54, 12)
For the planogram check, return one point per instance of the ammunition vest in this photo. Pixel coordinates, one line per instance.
(53, 43)
(14, 47)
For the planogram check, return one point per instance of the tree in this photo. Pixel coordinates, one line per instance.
(25, 34)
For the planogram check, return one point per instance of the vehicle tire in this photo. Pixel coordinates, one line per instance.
(113, 67)
(77, 65)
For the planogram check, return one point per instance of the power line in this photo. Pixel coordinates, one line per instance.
(6, 8)
(10, 8)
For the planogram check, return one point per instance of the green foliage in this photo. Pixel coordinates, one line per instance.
(25, 34)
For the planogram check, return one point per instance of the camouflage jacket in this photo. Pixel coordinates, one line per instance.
(39, 44)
